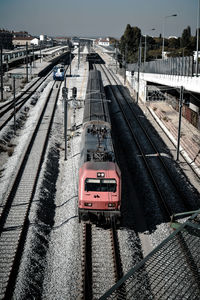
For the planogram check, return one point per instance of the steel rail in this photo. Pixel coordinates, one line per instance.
(10, 102)
(14, 221)
(117, 257)
(165, 168)
(21, 101)
(167, 210)
(88, 262)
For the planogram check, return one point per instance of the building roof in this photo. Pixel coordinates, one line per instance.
(23, 38)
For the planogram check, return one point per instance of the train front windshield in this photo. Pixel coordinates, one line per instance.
(100, 185)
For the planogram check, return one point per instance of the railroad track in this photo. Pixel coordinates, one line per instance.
(9, 109)
(14, 210)
(101, 260)
(155, 163)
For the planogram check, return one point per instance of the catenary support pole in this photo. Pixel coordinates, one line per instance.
(26, 62)
(179, 125)
(116, 59)
(65, 126)
(65, 96)
(40, 53)
(70, 58)
(14, 100)
(126, 50)
(33, 57)
(197, 44)
(145, 47)
(1, 73)
(138, 77)
(78, 55)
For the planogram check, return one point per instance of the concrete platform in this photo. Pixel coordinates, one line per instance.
(168, 118)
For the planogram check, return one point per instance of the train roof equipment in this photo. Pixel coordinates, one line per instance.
(96, 104)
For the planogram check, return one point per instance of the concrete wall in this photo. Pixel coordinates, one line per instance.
(134, 84)
(189, 83)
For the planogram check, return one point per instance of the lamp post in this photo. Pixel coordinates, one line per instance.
(163, 44)
(145, 45)
(138, 75)
(197, 48)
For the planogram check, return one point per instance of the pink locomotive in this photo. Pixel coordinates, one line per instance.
(99, 175)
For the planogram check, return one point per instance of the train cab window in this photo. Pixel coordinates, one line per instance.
(92, 185)
(108, 185)
(100, 185)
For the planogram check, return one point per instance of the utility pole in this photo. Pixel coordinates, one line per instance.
(65, 81)
(1, 73)
(138, 78)
(26, 62)
(40, 53)
(33, 56)
(70, 58)
(179, 125)
(116, 58)
(78, 55)
(125, 64)
(74, 96)
(163, 43)
(14, 105)
(65, 96)
(197, 49)
(145, 47)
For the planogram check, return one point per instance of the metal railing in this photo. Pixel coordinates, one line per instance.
(171, 271)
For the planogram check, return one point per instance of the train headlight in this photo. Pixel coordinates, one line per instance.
(88, 204)
(100, 174)
(111, 204)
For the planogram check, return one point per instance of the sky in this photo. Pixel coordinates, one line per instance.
(92, 18)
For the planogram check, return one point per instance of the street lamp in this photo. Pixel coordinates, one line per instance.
(163, 45)
(145, 45)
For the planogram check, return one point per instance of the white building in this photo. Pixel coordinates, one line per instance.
(35, 42)
(103, 42)
(43, 37)
(195, 55)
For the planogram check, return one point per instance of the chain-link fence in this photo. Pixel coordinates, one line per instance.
(171, 271)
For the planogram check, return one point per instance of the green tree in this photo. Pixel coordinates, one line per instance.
(173, 43)
(129, 43)
(186, 38)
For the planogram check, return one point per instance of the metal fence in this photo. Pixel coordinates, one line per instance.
(181, 66)
(171, 271)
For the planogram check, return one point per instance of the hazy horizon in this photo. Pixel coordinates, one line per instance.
(93, 18)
